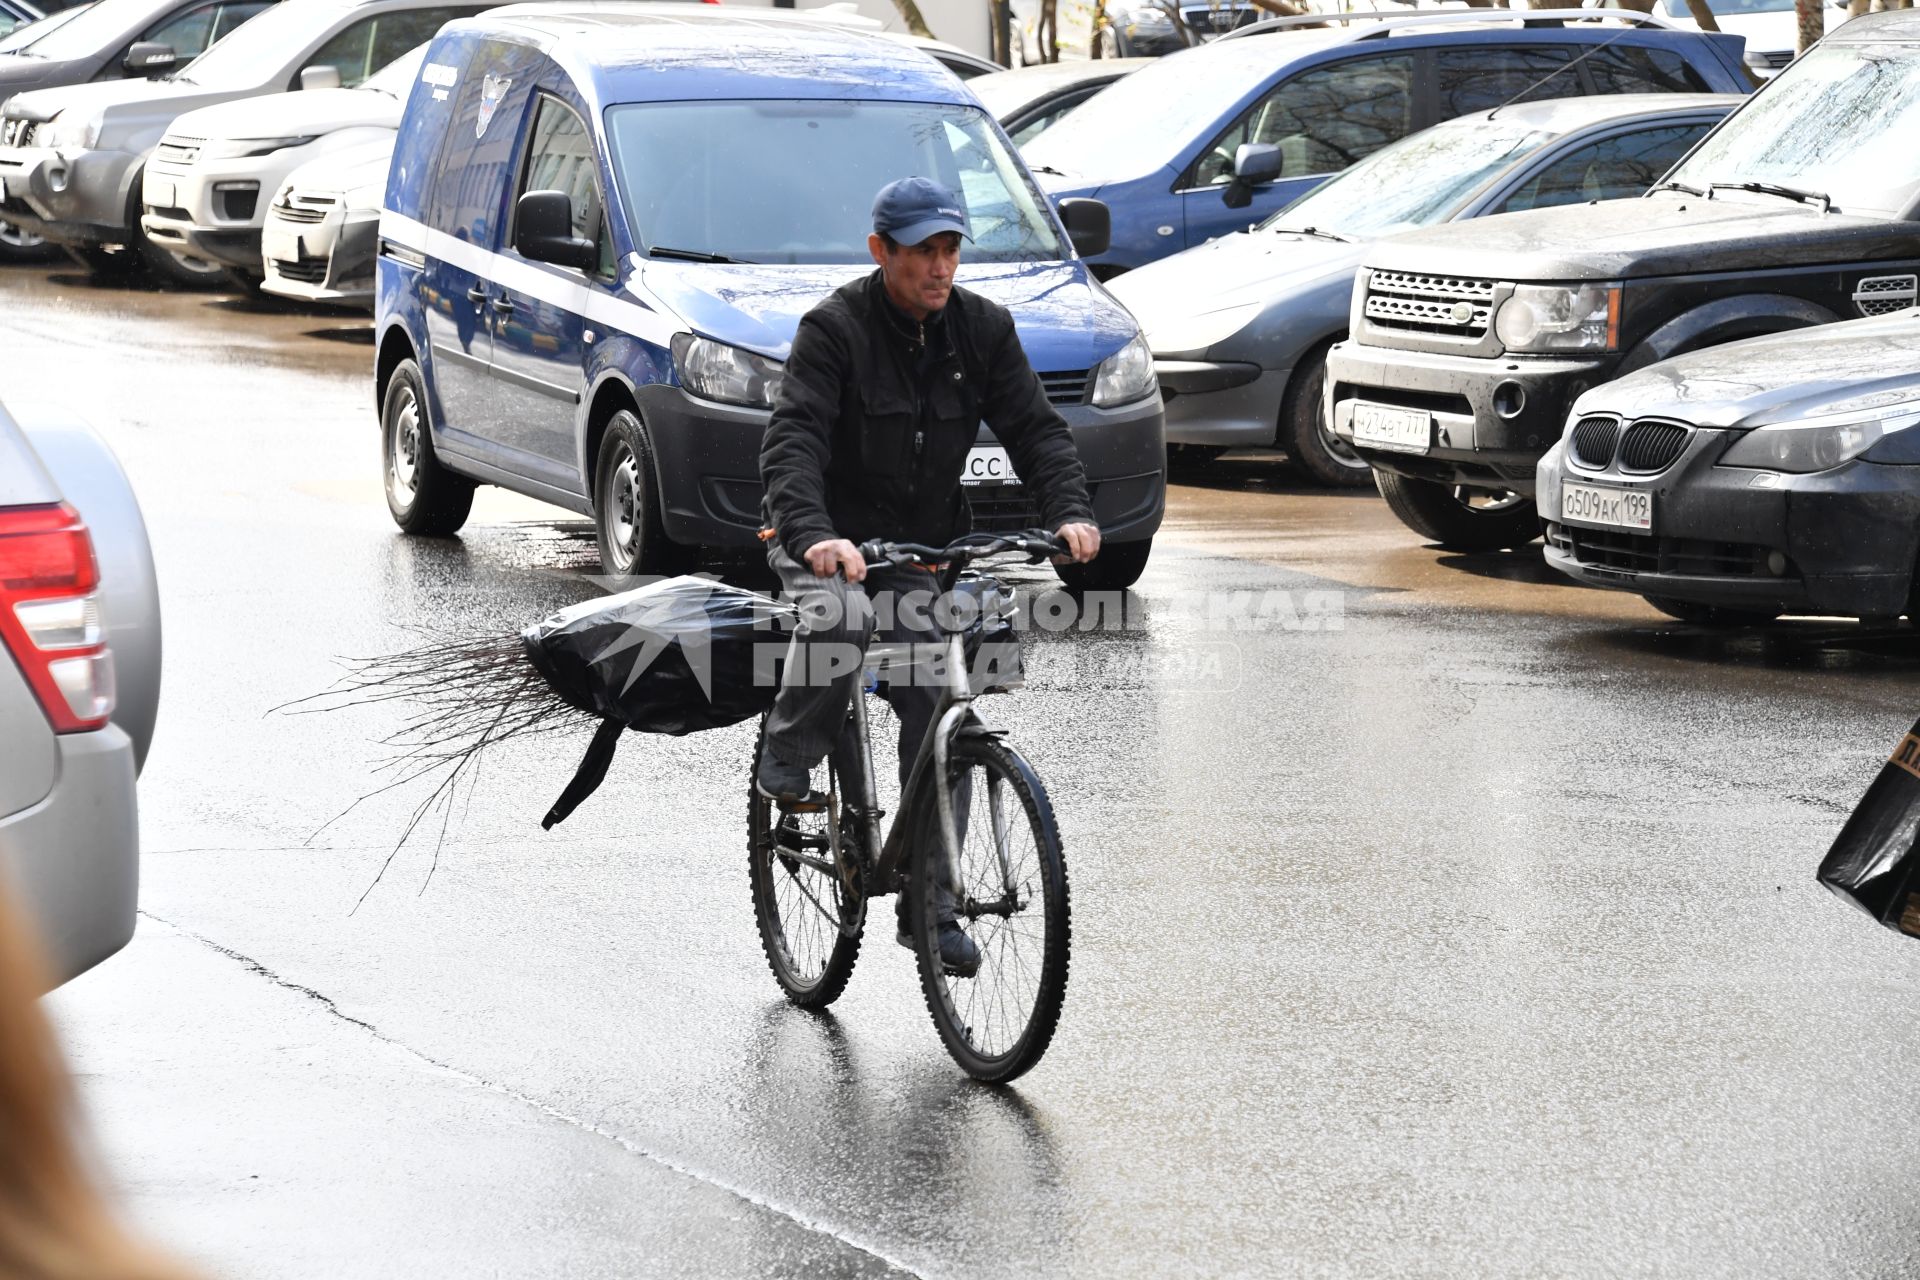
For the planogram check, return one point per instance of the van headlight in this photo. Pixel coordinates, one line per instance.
(1801, 447)
(70, 131)
(1125, 376)
(715, 371)
(1544, 318)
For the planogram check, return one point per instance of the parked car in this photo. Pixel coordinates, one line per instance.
(1221, 136)
(17, 13)
(79, 621)
(323, 227)
(203, 185)
(1029, 99)
(1124, 28)
(951, 56)
(73, 159)
(114, 38)
(1776, 475)
(1470, 342)
(1240, 327)
(597, 318)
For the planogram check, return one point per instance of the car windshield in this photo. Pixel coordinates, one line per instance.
(1413, 183)
(259, 49)
(793, 181)
(1841, 121)
(103, 24)
(397, 77)
(1140, 122)
(1727, 8)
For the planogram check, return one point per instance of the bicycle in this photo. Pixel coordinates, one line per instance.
(956, 850)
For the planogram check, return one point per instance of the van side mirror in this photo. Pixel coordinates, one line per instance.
(1089, 225)
(1254, 165)
(148, 57)
(543, 232)
(325, 76)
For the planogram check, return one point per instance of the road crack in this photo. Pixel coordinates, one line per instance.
(797, 1216)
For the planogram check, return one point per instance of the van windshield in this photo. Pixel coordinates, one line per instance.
(793, 181)
(1841, 121)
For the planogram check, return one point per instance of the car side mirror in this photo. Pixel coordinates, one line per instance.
(1254, 165)
(325, 76)
(1089, 225)
(543, 232)
(147, 57)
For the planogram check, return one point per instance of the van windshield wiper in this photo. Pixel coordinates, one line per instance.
(1775, 189)
(1316, 232)
(695, 255)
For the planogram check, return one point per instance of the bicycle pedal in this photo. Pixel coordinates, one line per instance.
(812, 802)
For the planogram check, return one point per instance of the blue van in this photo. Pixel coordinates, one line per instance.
(1214, 139)
(603, 223)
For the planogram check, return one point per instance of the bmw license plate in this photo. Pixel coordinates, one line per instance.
(1386, 426)
(988, 464)
(1599, 504)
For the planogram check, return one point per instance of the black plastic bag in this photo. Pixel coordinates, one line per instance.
(1875, 863)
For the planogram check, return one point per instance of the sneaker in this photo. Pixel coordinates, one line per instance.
(959, 954)
(778, 780)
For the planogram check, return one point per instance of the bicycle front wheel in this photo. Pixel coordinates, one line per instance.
(810, 904)
(1010, 901)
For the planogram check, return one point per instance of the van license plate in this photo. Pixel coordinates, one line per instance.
(1386, 426)
(1617, 508)
(988, 464)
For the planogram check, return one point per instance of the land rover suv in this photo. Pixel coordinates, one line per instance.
(1471, 341)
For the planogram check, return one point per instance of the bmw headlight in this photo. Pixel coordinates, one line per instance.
(1125, 376)
(1544, 318)
(241, 148)
(715, 371)
(1817, 444)
(70, 131)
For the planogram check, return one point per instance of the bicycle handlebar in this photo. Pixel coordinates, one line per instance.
(1036, 543)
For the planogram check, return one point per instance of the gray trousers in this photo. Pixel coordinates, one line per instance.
(837, 619)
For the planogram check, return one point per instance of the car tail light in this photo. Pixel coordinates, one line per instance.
(50, 614)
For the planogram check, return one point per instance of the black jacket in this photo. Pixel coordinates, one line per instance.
(874, 418)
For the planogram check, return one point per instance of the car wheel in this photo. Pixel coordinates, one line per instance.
(626, 504)
(1711, 615)
(423, 496)
(18, 245)
(1312, 448)
(1458, 517)
(1117, 567)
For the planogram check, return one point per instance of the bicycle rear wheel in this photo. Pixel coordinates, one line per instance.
(1011, 900)
(810, 906)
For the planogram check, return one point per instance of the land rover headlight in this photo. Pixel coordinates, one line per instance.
(241, 148)
(1818, 444)
(70, 131)
(715, 371)
(1125, 376)
(1545, 318)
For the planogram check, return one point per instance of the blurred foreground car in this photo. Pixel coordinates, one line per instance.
(1240, 327)
(1223, 135)
(79, 615)
(1776, 475)
(217, 166)
(323, 228)
(1027, 100)
(74, 158)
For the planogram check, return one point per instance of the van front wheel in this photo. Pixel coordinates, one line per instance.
(626, 504)
(423, 496)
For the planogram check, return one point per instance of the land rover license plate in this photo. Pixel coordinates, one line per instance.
(1598, 504)
(1386, 426)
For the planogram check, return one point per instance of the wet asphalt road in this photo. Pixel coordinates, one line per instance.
(1475, 935)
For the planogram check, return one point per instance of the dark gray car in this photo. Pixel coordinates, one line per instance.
(1240, 327)
(1776, 475)
(113, 40)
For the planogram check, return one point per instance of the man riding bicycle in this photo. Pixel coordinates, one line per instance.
(888, 381)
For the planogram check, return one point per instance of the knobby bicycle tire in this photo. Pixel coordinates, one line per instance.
(810, 970)
(965, 1008)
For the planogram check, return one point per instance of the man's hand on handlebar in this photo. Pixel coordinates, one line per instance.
(829, 558)
(1083, 542)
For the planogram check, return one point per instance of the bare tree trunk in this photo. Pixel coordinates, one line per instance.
(1813, 23)
(997, 33)
(1047, 31)
(910, 14)
(1556, 4)
(1282, 8)
(1856, 7)
(1703, 16)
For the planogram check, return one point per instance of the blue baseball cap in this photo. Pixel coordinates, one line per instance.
(912, 209)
